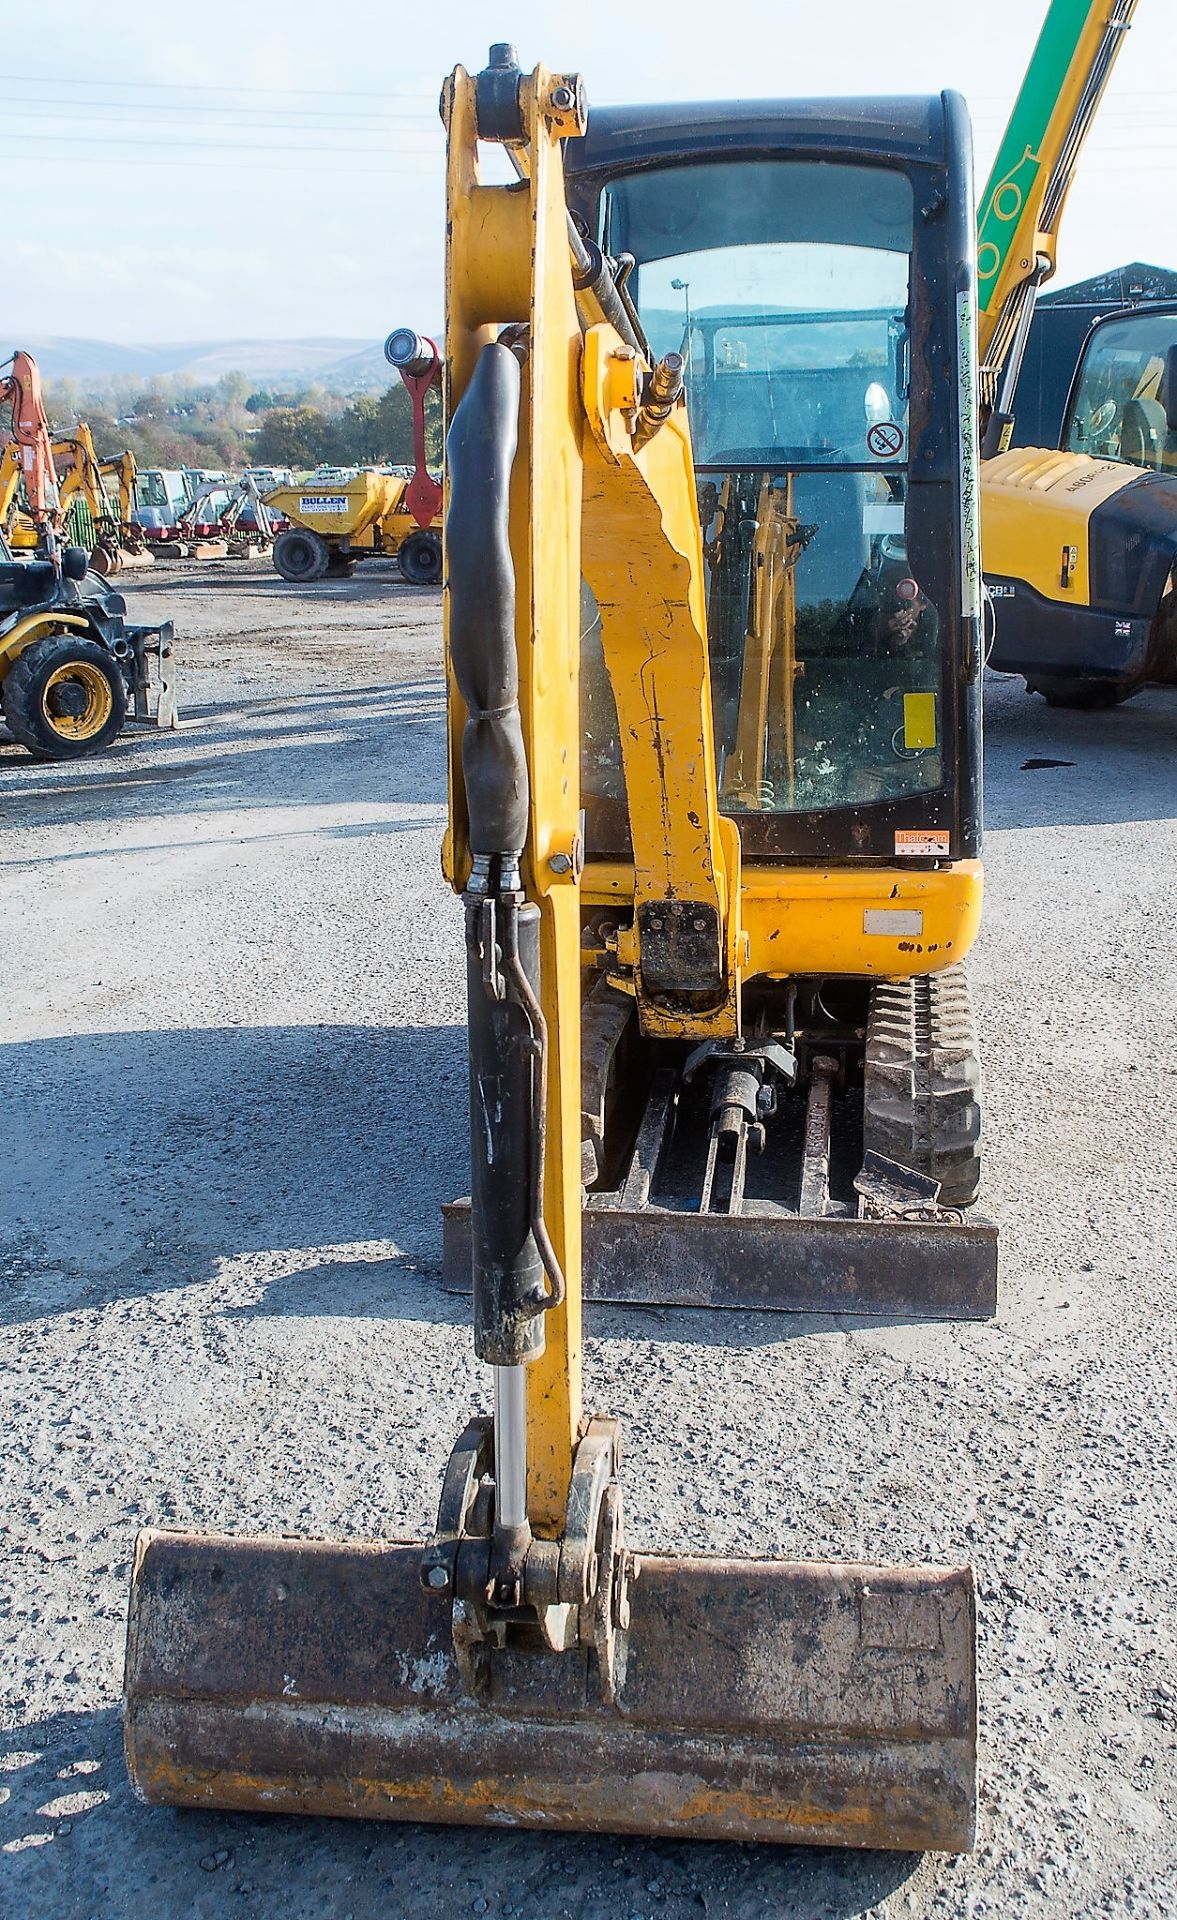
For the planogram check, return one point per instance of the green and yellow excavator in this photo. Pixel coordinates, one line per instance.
(1079, 549)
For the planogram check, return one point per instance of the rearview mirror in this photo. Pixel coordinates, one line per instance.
(74, 563)
(1171, 389)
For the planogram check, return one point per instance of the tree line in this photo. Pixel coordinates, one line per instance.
(175, 422)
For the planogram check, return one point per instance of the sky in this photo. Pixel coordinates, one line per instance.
(224, 171)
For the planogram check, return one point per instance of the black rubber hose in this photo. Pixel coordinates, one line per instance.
(480, 449)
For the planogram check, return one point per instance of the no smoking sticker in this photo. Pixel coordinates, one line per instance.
(885, 439)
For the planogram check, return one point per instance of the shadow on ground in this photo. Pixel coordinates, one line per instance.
(380, 745)
(139, 1161)
(1111, 768)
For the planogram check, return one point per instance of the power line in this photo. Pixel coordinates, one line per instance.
(133, 110)
(85, 144)
(194, 86)
(355, 176)
(175, 130)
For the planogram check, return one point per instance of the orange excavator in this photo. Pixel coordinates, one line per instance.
(20, 389)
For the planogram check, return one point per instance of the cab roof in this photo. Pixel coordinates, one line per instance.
(905, 128)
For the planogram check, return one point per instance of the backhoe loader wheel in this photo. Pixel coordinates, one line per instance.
(921, 1091)
(1091, 696)
(420, 559)
(301, 556)
(64, 697)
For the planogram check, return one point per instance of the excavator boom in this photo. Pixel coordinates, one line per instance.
(20, 390)
(1022, 206)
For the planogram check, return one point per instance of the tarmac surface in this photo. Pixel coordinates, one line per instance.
(234, 1093)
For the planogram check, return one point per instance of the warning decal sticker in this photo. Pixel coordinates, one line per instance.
(924, 843)
(885, 440)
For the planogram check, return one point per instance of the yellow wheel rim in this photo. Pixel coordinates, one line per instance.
(61, 697)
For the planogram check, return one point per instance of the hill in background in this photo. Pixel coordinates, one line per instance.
(343, 366)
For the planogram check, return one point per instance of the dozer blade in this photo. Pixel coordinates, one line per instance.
(756, 1701)
(772, 1262)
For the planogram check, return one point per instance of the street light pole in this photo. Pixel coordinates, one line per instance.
(684, 287)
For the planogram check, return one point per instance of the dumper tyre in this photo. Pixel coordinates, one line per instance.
(64, 697)
(1085, 696)
(420, 559)
(301, 556)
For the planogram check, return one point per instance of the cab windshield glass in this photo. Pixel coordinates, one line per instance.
(1119, 410)
(788, 284)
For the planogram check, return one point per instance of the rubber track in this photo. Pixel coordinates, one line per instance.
(922, 1081)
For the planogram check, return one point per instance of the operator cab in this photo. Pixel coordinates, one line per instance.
(1123, 400)
(813, 264)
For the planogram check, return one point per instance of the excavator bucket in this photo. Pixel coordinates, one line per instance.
(756, 1700)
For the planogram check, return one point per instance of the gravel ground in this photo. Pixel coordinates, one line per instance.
(234, 1101)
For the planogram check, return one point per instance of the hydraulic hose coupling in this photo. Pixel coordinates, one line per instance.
(410, 352)
(663, 391)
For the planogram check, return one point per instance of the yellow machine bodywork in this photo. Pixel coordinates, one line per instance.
(1036, 508)
(19, 529)
(834, 920)
(366, 510)
(35, 626)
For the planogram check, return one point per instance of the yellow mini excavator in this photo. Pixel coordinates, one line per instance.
(713, 639)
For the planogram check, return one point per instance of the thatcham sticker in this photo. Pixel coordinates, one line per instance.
(924, 843)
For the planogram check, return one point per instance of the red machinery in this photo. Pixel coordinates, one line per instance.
(20, 389)
(417, 361)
